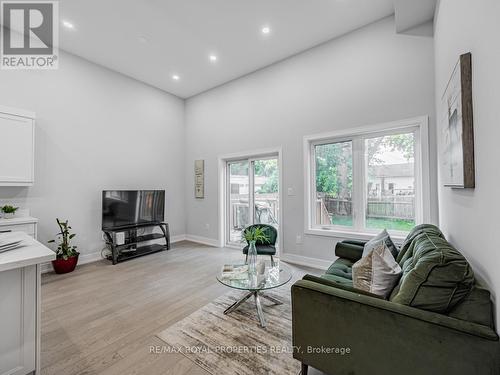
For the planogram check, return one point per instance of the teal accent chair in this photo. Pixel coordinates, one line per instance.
(264, 248)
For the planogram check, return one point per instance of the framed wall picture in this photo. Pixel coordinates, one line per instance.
(457, 127)
(199, 179)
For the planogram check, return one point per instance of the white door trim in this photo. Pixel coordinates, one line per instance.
(222, 186)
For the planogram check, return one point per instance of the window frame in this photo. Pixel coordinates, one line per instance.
(419, 127)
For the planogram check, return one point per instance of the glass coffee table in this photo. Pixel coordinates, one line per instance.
(270, 277)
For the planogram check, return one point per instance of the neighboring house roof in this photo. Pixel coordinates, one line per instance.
(392, 170)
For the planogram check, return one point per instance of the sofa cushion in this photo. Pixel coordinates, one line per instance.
(377, 272)
(344, 261)
(335, 284)
(435, 275)
(430, 229)
(381, 237)
(341, 267)
(337, 279)
(476, 307)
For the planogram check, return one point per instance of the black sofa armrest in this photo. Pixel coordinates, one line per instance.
(356, 242)
(350, 249)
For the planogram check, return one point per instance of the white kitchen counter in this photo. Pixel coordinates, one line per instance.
(35, 253)
(20, 307)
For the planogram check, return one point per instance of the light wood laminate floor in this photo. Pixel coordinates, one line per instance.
(102, 319)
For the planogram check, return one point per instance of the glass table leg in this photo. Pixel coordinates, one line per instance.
(235, 305)
(258, 305)
(260, 313)
(272, 299)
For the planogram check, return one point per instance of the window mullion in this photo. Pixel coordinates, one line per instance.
(362, 188)
(312, 183)
(419, 217)
(358, 181)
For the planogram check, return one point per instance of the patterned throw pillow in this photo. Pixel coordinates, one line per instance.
(377, 272)
(388, 242)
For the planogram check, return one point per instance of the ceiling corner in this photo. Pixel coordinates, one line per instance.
(410, 14)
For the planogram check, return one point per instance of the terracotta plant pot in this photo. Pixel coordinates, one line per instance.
(64, 266)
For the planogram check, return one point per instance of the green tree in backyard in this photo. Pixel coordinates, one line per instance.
(334, 169)
(269, 169)
(239, 168)
(403, 143)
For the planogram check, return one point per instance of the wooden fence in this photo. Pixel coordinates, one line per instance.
(394, 207)
(267, 204)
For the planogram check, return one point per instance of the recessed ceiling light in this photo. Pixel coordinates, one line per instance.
(213, 58)
(68, 25)
(175, 77)
(266, 30)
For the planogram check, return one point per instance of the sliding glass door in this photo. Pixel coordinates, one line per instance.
(252, 195)
(238, 194)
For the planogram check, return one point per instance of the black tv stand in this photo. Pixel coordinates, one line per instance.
(131, 247)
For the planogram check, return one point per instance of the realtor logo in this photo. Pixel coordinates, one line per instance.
(30, 35)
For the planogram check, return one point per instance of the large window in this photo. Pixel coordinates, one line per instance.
(367, 180)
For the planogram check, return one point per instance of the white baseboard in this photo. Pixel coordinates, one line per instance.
(89, 258)
(84, 259)
(202, 240)
(178, 238)
(94, 257)
(306, 261)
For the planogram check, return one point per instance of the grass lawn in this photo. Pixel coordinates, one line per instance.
(377, 223)
(342, 220)
(394, 224)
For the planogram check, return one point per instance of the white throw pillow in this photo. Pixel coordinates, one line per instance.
(377, 272)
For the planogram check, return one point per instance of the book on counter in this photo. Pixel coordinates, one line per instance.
(13, 240)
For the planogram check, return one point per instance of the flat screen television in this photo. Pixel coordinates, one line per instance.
(126, 208)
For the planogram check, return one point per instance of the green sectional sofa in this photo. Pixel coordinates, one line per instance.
(436, 321)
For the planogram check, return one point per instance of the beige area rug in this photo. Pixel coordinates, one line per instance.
(236, 343)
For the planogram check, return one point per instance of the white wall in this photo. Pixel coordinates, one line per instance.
(469, 218)
(95, 129)
(369, 76)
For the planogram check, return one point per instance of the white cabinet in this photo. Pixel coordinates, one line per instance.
(20, 300)
(17, 132)
(18, 321)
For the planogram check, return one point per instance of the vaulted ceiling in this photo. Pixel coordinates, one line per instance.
(188, 46)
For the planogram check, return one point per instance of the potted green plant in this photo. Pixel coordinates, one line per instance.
(9, 211)
(66, 254)
(253, 235)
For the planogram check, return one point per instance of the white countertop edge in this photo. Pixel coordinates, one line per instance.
(18, 220)
(25, 256)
